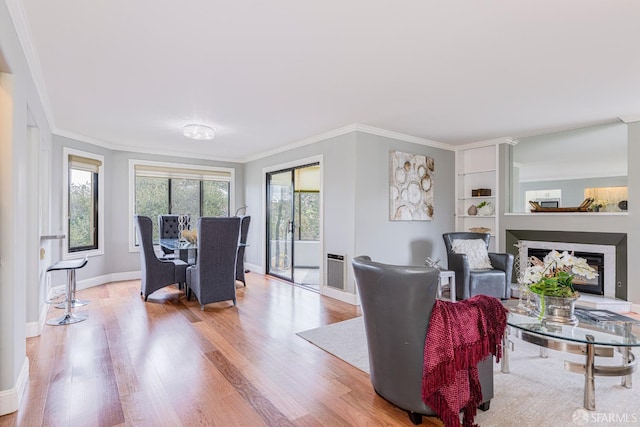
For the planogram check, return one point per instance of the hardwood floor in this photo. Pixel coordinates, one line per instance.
(166, 363)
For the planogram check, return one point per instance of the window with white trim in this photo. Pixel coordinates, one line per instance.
(83, 206)
(166, 188)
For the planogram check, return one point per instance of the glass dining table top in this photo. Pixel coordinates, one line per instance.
(175, 244)
(623, 333)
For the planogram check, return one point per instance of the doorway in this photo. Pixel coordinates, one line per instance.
(293, 225)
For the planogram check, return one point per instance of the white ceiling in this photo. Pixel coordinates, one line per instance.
(268, 74)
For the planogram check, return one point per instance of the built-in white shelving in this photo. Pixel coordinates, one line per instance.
(476, 168)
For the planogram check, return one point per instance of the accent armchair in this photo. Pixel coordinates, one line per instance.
(478, 271)
(156, 273)
(397, 302)
(213, 277)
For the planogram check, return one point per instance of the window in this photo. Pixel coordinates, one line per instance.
(167, 188)
(83, 203)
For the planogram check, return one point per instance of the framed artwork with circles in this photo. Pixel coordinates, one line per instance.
(411, 182)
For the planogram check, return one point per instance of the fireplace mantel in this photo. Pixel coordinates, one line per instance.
(619, 240)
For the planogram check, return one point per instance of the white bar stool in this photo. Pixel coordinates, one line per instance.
(68, 318)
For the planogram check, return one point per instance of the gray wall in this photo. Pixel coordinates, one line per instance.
(117, 258)
(399, 242)
(356, 201)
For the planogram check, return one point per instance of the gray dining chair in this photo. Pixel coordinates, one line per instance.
(168, 229)
(213, 277)
(156, 273)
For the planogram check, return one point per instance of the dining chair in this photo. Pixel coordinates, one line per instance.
(168, 227)
(213, 277)
(156, 273)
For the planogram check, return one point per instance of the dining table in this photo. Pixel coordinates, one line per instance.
(183, 249)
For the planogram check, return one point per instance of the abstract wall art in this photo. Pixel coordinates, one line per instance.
(411, 182)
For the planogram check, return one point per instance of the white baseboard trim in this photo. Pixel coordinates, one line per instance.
(101, 280)
(340, 295)
(254, 268)
(34, 329)
(10, 399)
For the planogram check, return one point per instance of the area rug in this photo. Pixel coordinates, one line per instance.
(537, 392)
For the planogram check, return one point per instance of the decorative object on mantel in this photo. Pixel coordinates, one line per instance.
(486, 208)
(480, 230)
(623, 205)
(411, 182)
(481, 192)
(473, 210)
(551, 285)
(584, 207)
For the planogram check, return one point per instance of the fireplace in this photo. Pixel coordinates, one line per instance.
(582, 284)
(611, 246)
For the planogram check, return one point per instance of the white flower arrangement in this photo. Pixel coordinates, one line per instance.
(553, 276)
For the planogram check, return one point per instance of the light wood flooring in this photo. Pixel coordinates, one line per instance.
(166, 363)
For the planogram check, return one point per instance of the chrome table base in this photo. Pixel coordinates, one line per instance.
(589, 368)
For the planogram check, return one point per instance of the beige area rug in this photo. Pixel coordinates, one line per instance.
(537, 392)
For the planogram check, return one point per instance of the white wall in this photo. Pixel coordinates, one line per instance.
(18, 95)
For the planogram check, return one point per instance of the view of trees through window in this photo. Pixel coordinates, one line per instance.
(83, 199)
(157, 195)
(308, 212)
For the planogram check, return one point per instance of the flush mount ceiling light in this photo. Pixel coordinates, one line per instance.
(196, 131)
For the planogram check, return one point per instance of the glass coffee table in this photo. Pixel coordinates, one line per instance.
(589, 337)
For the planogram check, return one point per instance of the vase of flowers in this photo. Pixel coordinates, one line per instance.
(550, 282)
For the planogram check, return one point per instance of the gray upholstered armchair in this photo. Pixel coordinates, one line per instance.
(494, 281)
(156, 273)
(213, 277)
(396, 305)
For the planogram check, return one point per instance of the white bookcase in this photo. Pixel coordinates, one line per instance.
(476, 168)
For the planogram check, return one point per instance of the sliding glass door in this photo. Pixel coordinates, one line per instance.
(280, 224)
(293, 225)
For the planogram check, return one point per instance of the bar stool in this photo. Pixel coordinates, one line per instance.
(74, 301)
(68, 318)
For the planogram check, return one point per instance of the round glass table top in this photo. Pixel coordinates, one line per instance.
(618, 330)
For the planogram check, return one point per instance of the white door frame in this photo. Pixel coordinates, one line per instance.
(263, 224)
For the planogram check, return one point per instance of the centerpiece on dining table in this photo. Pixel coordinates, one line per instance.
(550, 283)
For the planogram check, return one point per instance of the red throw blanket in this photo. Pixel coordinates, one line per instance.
(460, 335)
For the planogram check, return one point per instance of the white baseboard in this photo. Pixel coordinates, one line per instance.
(340, 295)
(254, 267)
(34, 329)
(101, 280)
(10, 399)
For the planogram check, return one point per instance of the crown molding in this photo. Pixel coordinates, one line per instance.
(354, 127)
(317, 138)
(18, 16)
(144, 150)
(504, 140)
(403, 137)
(631, 118)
